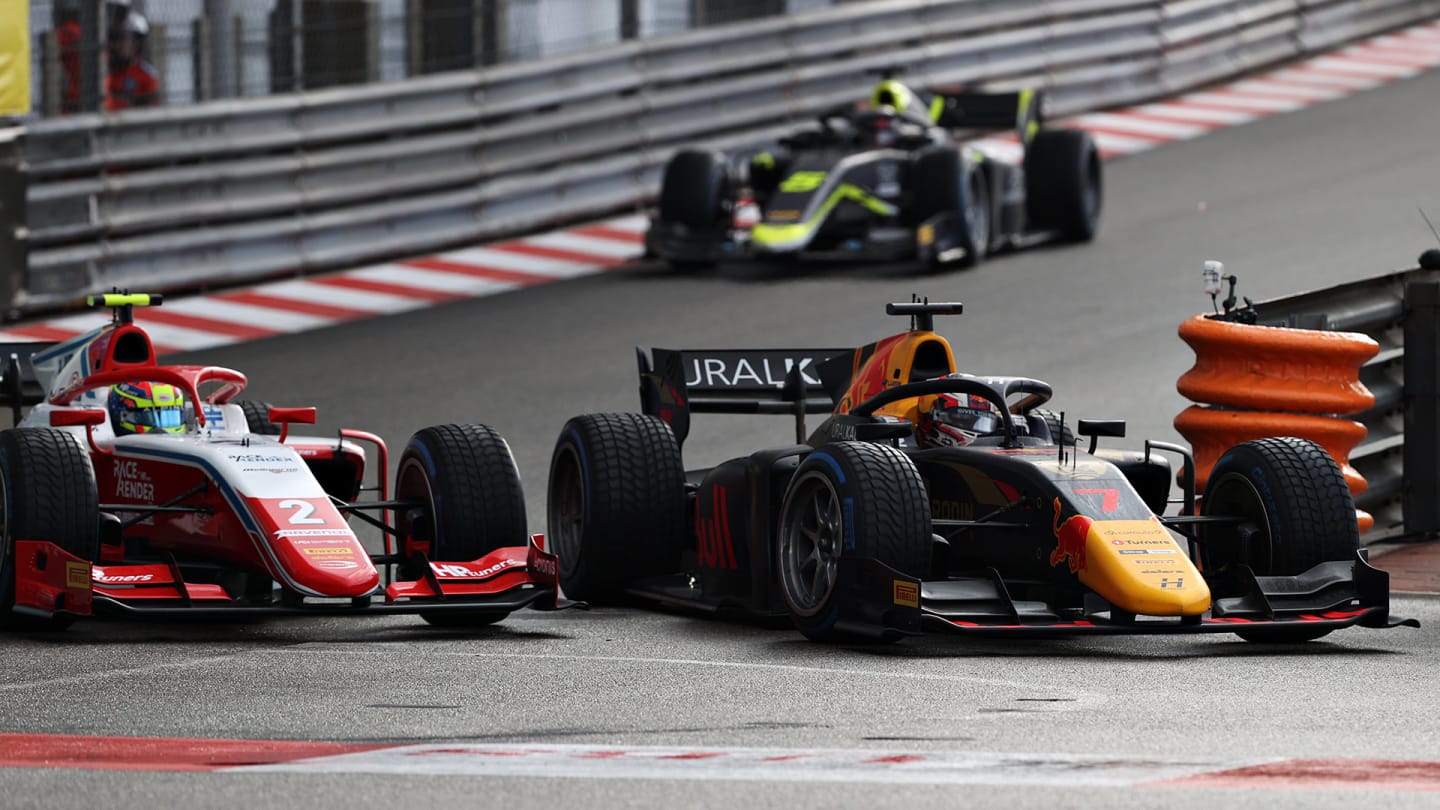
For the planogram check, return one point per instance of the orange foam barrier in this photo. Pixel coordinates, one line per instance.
(1258, 381)
(1274, 368)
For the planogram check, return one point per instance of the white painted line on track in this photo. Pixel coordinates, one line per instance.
(1344, 65)
(1265, 86)
(437, 280)
(1139, 124)
(1112, 142)
(1208, 115)
(1235, 100)
(236, 312)
(834, 765)
(635, 223)
(597, 246)
(520, 262)
(1336, 80)
(308, 291)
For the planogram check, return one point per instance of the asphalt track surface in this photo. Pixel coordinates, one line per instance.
(1299, 201)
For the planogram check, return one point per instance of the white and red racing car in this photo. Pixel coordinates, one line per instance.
(217, 508)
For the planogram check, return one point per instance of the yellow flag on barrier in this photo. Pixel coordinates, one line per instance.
(15, 57)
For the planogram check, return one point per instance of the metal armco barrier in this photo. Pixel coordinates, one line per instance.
(1399, 456)
(233, 191)
(1254, 381)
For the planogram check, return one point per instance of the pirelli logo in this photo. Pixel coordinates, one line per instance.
(77, 575)
(328, 551)
(907, 594)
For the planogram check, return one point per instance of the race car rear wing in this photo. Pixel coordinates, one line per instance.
(974, 110)
(677, 382)
(19, 387)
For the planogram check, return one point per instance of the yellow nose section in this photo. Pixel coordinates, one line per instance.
(1137, 566)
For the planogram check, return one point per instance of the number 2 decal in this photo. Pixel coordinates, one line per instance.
(302, 513)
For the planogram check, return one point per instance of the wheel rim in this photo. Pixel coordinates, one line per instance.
(413, 484)
(1234, 495)
(566, 512)
(1090, 195)
(811, 542)
(5, 545)
(977, 219)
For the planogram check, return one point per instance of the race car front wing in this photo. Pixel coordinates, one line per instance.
(51, 582)
(1329, 596)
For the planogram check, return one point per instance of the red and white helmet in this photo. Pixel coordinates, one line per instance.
(956, 420)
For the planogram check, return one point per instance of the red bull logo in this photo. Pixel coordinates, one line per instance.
(1070, 536)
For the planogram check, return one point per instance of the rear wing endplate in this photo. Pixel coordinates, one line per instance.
(19, 387)
(974, 110)
(677, 382)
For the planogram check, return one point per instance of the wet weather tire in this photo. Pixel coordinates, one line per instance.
(468, 499)
(1060, 433)
(943, 185)
(49, 494)
(616, 506)
(257, 417)
(692, 189)
(848, 499)
(1296, 513)
(1063, 185)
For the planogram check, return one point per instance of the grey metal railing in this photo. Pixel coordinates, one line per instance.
(245, 189)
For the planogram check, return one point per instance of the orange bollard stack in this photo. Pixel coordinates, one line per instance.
(1256, 381)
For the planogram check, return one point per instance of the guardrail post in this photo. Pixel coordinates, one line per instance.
(283, 45)
(220, 47)
(92, 69)
(492, 26)
(52, 78)
(200, 54)
(629, 19)
(237, 67)
(12, 216)
(1421, 499)
(158, 54)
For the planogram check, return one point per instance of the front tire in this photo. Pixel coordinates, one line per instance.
(616, 505)
(1295, 509)
(944, 185)
(49, 494)
(848, 499)
(468, 499)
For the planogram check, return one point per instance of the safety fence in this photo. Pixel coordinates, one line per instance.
(1399, 455)
(238, 190)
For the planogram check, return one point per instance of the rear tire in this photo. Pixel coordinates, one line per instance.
(1060, 434)
(848, 499)
(1063, 185)
(470, 502)
(49, 494)
(616, 505)
(257, 417)
(1297, 513)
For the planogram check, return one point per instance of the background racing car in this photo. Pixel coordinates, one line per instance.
(866, 527)
(886, 182)
(203, 504)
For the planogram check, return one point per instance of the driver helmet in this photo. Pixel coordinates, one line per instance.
(146, 407)
(956, 420)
